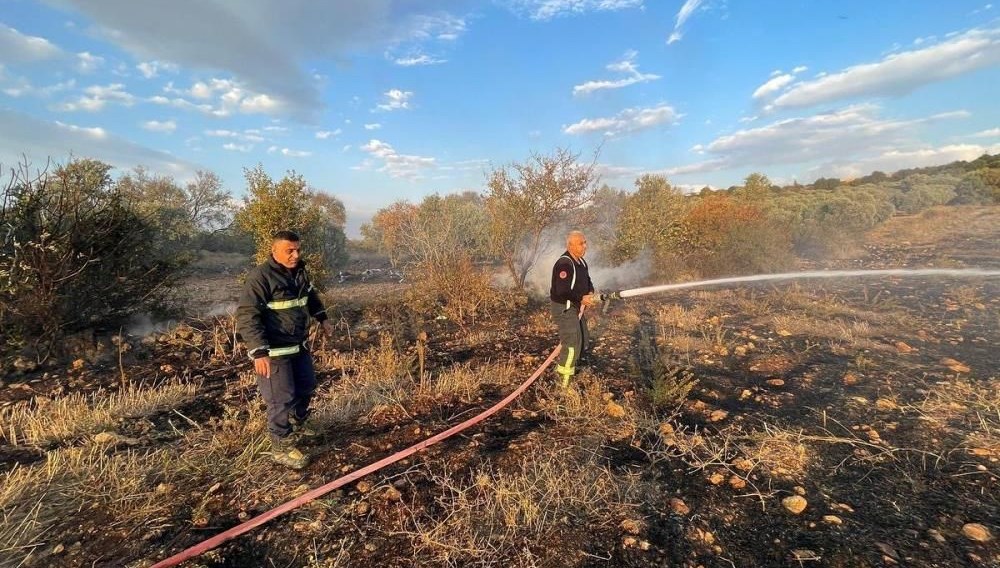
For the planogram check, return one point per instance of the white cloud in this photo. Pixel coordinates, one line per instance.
(324, 134)
(900, 73)
(682, 16)
(41, 140)
(23, 88)
(422, 59)
(166, 126)
(845, 135)
(395, 99)
(295, 153)
(87, 62)
(237, 147)
(261, 44)
(16, 47)
(395, 164)
(628, 66)
(373, 126)
(181, 103)
(441, 27)
(991, 133)
(799, 69)
(94, 132)
(548, 9)
(772, 86)
(628, 120)
(96, 97)
(230, 96)
(150, 69)
(249, 135)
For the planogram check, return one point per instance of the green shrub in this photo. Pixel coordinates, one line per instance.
(75, 255)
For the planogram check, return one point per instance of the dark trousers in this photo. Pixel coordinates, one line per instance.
(573, 335)
(287, 391)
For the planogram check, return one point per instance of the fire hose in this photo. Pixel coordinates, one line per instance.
(209, 544)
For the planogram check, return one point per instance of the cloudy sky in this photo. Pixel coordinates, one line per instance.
(383, 100)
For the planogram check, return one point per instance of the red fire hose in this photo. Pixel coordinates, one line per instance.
(206, 545)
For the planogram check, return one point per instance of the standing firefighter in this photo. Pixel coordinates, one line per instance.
(571, 293)
(273, 317)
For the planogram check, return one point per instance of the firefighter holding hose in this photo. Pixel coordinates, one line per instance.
(572, 292)
(273, 318)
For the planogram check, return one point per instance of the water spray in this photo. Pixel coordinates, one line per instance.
(608, 297)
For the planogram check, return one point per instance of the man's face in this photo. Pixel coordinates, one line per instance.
(286, 253)
(577, 246)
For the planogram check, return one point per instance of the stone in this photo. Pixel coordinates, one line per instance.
(794, 504)
(977, 532)
(885, 404)
(679, 507)
(391, 494)
(804, 554)
(716, 478)
(25, 364)
(737, 482)
(903, 348)
(106, 438)
(955, 365)
(833, 520)
(844, 507)
(776, 382)
(717, 415)
(630, 526)
(887, 551)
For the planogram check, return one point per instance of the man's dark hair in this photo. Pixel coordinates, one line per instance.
(290, 236)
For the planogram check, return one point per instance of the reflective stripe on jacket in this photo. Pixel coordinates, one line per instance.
(275, 306)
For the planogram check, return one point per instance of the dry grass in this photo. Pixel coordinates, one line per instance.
(676, 316)
(511, 518)
(47, 422)
(855, 333)
(121, 488)
(967, 406)
(382, 382)
(777, 452)
(588, 409)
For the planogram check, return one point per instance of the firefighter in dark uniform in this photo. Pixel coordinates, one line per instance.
(572, 292)
(273, 318)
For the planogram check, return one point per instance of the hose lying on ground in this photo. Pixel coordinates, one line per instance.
(209, 544)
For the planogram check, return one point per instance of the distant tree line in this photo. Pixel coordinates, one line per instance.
(749, 228)
(80, 249)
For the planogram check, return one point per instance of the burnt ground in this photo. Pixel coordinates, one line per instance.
(876, 400)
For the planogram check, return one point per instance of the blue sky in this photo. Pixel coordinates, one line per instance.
(383, 100)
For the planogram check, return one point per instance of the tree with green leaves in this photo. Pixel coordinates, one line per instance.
(288, 203)
(526, 200)
(76, 254)
(651, 218)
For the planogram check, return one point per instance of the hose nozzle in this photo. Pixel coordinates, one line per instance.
(606, 299)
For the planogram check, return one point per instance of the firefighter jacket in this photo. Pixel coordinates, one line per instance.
(274, 309)
(570, 281)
